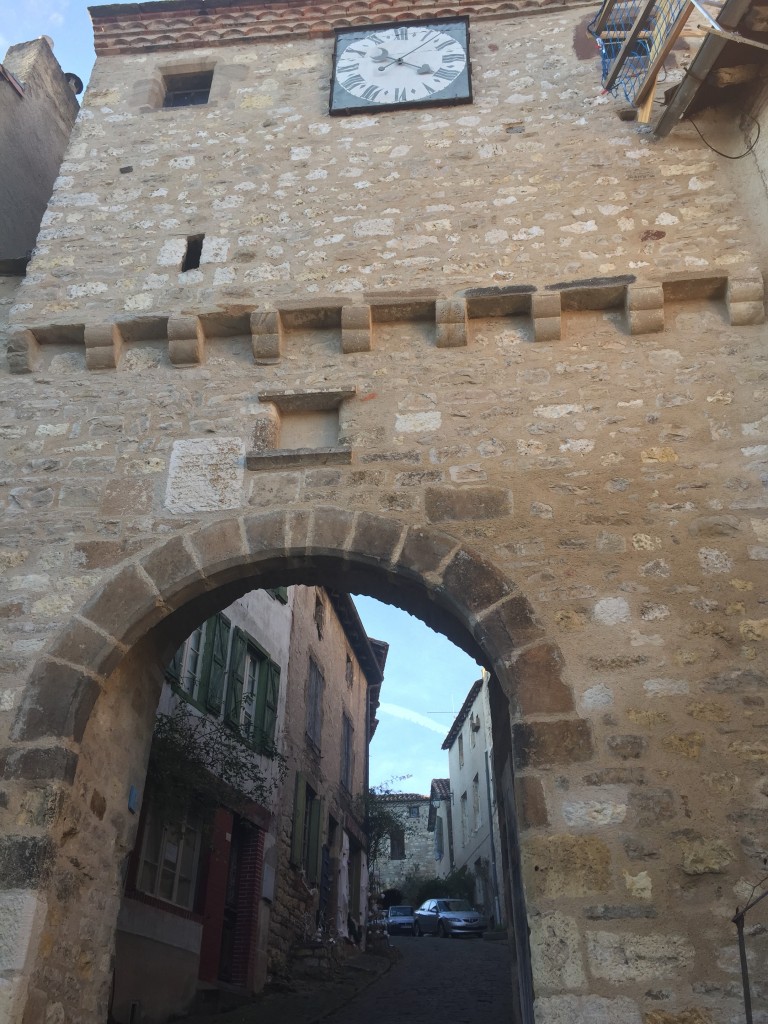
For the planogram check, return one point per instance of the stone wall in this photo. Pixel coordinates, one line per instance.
(419, 845)
(585, 512)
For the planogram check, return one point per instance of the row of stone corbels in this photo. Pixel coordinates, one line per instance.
(643, 307)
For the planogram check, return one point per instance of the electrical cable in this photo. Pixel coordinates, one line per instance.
(730, 156)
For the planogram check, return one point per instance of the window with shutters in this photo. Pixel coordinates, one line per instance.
(170, 859)
(397, 844)
(346, 752)
(315, 688)
(223, 671)
(305, 838)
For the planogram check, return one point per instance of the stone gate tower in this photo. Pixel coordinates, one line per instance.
(496, 360)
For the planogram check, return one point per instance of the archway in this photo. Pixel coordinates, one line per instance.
(85, 724)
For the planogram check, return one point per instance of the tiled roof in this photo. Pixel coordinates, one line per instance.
(455, 729)
(440, 790)
(403, 798)
(186, 24)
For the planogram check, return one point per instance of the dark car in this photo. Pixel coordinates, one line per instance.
(400, 919)
(448, 917)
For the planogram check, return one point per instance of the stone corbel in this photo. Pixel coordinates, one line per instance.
(355, 329)
(451, 323)
(266, 429)
(744, 297)
(103, 346)
(186, 340)
(266, 335)
(23, 350)
(644, 307)
(546, 313)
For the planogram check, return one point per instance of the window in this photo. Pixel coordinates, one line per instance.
(346, 752)
(461, 750)
(315, 688)
(349, 672)
(476, 803)
(169, 861)
(413, 811)
(193, 253)
(279, 594)
(305, 838)
(474, 728)
(463, 819)
(439, 840)
(189, 90)
(221, 668)
(397, 844)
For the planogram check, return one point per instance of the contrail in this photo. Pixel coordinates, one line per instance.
(411, 716)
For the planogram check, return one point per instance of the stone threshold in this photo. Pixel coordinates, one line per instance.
(268, 325)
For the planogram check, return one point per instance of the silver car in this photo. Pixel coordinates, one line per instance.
(400, 919)
(448, 917)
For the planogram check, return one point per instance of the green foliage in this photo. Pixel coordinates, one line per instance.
(195, 759)
(383, 819)
(458, 885)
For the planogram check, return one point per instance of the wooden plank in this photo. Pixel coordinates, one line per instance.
(644, 112)
(629, 41)
(658, 61)
(603, 16)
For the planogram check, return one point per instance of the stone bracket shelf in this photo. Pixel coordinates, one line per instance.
(290, 458)
(187, 337)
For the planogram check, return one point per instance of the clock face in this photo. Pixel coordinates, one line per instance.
(405, 64)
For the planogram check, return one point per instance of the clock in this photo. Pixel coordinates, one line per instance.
(399, 65)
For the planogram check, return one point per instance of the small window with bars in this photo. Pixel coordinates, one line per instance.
(187, 90)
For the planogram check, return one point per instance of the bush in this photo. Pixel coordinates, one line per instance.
(458, 884)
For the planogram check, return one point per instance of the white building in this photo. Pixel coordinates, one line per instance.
(474, 817)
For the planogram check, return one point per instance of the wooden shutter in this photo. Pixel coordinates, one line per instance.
(235, 678)
(299, 812)
(269, 695)
(313, 844)
(173, 672)
(217, 644)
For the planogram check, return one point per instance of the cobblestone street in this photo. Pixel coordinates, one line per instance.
(464, 981)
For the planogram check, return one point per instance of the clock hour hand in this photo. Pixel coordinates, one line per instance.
(421, 69)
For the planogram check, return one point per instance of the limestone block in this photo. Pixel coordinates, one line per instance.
(186, 340)
(556, 955)
(205, 475)
(644, 305)
(266, 335)
(745, 289)
(571, 1009)
(103, 346)
(355, 329)
(566, 865)
(20, 915)
(741, 314)
(23, 350)
(451, 323)
(266, 429)
(705, 856)
(646, 958)
(546, 315)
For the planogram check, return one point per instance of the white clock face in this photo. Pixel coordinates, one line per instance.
(400, 64)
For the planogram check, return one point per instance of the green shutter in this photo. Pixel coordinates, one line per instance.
(235, 678)
(269, 696)
(173, 672)
(299, 811)
(313, 844)
(217, 644)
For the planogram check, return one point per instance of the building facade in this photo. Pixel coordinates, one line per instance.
(475, 821)
(498, 362)
(407, 854)
(209, 898)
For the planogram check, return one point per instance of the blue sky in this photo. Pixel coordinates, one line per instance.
(67, 22)
(425, 683)
(427, 677)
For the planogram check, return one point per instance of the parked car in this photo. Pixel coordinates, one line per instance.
(400, 919)
(448, 917)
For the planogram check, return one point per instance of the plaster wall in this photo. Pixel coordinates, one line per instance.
(34, 132)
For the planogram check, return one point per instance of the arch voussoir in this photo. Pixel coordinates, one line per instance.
(174, 570)
(82, 644)
(130, 588)
(507, 627)
(57, 703)
(221, 549)
(536, 684)
(266, 533)
(474, 584)
(376, 540)
(330, 531)
(424, 552)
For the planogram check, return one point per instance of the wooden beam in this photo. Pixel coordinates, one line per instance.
(658, 61)
(644, 112)
(603, 16)
(629, 41)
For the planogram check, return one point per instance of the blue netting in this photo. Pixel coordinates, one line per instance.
(657, 28)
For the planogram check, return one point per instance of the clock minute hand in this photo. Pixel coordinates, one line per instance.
(422, 69)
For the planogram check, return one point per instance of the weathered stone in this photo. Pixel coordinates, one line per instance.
(530, 802)
(652, 805)
(508, 626)
(39, 764)
(586, 1010)
(537, 682)
(356, 329)
(566, 865)
(646, 958)
(631, 911)
(450, 323)
(693, 1015)
(705, 856)
(556, 953)
(186, 340)
(626, 747)
(25, 861)
(375, 538)
(444, 504)
(334, 533)
(425, 551)
(103, 347)
(81, 644)
(546, 743)
(173, 570)
(58, 703)
(474, 584)
(266, 336)
(129, 588)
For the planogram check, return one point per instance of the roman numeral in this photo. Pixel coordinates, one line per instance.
(353, 81)
(371, 92)
(376, 39)
(446, 74)
(430, 91)
(400, 96)
(401, 33)
(357, 53)
(444, 44)
(451, 58)
(348, 68)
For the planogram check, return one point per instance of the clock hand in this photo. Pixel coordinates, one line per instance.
(422, 69)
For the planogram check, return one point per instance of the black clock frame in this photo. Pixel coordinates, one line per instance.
(361, 31)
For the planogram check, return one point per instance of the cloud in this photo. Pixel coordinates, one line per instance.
(412, 716)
